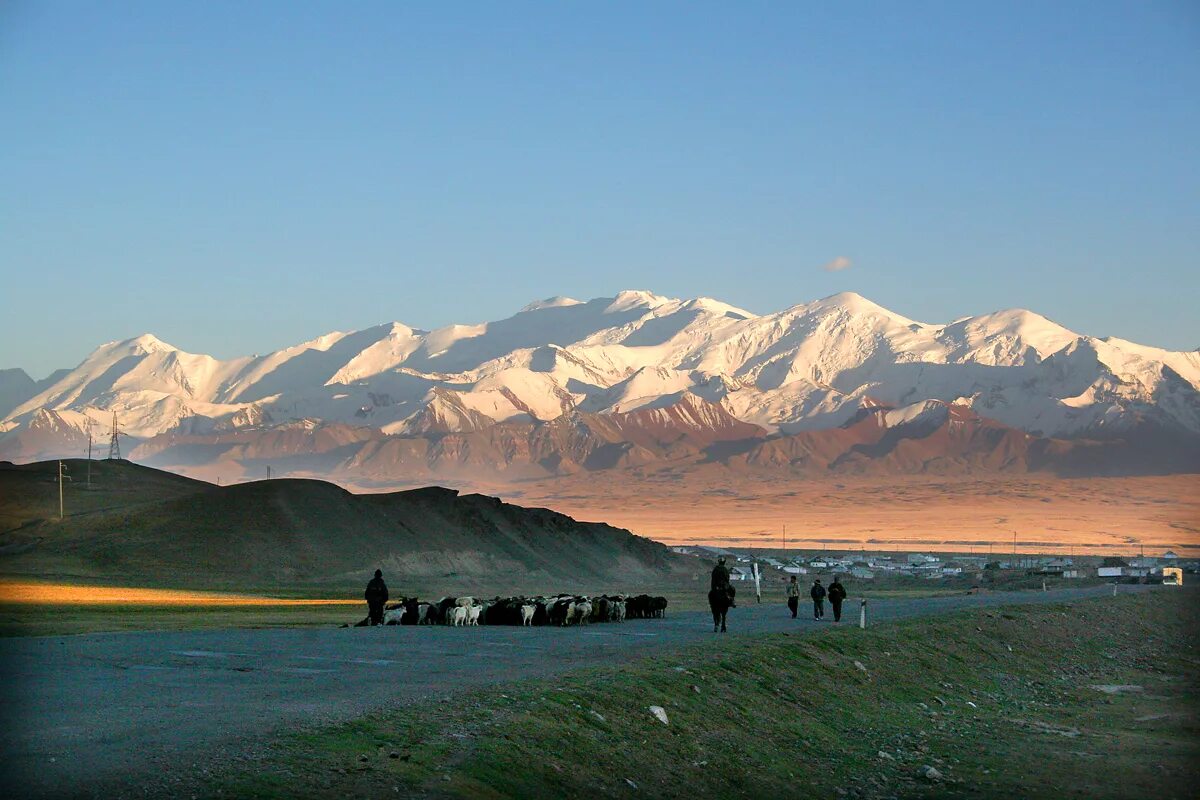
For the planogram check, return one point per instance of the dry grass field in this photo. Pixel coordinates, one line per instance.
(1095, 516)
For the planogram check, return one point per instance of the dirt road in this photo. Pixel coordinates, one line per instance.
(123, 714)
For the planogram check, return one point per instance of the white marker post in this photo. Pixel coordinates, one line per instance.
(1114, 590)
(862, 614)
(757, 582)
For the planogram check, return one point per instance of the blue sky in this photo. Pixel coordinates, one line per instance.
(237, 177)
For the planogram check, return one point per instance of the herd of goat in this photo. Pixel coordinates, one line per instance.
(557, 610)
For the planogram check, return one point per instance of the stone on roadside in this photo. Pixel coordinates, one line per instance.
(928, 773)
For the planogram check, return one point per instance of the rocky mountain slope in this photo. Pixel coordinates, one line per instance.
(838, 384)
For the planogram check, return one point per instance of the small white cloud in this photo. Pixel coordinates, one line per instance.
(838, 264)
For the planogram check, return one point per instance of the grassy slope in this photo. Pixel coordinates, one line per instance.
(30, 491)
(795, 716)
(149, 528)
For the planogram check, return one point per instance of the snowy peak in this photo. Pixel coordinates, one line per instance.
(624, 301)
(558, 301)
(651, 372)
(147, 343)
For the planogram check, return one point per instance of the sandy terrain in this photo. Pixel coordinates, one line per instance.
(1098, 516)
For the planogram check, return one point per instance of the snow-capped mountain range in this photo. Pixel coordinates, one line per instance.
(565, 385)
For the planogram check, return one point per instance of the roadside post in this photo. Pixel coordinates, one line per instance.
(1114, 589)
(862, 614)
(757, 582)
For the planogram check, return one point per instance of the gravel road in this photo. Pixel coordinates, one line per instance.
(105, 715)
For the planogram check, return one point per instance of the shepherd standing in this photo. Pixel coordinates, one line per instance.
(376, 596)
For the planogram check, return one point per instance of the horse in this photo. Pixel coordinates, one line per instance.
(720, 600)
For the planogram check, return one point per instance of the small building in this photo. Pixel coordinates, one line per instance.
(1112, 567)
(795, 569)
(1171, 556)
(862, 573)
(740, 574)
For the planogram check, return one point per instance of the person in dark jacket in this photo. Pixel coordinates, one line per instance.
(817, 593)
(376, 595)
(793, 596)
(837, 593)
(720, 580)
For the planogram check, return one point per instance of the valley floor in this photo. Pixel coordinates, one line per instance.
(1095, 516)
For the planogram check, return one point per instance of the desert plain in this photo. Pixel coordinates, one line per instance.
(1047, 514)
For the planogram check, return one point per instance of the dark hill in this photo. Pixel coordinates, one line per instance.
(286, 535)
(29, 492)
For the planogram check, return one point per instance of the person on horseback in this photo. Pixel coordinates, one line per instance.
(720, 580)
(720, 595)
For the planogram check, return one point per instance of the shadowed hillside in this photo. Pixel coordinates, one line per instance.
(284, 535)
(29, 492)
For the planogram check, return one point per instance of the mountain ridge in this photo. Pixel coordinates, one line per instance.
(807, 369)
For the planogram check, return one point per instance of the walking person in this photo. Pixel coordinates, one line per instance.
(837, 593)
(818, 597)
(376, 596)
(793, 596)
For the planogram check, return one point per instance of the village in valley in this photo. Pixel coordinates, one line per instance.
(1167, 567)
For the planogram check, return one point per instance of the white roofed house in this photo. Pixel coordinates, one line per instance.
(928, 570)
(739, 574)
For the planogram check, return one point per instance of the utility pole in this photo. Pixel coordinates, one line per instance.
(89, 464)
(268, 472)
(785, 540)
(61, 470)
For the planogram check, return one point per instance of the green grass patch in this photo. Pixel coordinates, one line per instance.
(998, 701)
